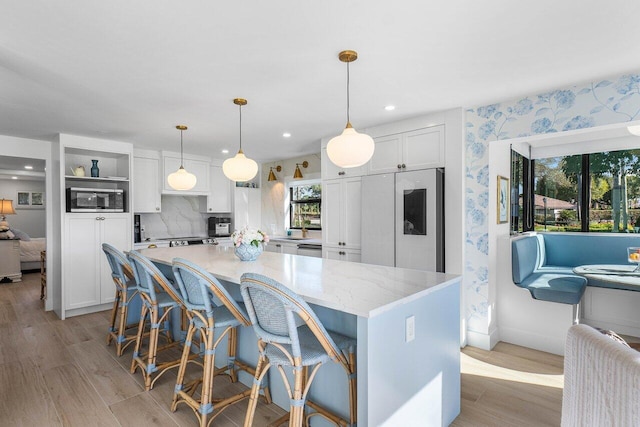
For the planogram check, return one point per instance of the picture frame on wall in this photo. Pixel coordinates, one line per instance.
(503, 200)
(30, 200)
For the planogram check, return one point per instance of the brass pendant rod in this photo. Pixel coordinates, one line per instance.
(181, 155)
(240, 107)
(348, 120)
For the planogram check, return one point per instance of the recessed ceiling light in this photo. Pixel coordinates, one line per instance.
(14, 177)
(225, 151)
(28, 167)
(286, 135)
(390, 107)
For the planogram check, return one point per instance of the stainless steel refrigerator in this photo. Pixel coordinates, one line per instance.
(403, 219)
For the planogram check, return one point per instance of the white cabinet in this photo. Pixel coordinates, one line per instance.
(10, 260)
(247, 207)
(219, 198)
(282, 247)
(341, 210)
(352, 255)
(146, 185)
(87, 275)
(193, 164)
(418, 149)
(331, 171)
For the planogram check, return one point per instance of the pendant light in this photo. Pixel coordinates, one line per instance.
(240, 168)
(350, 149)
(181, 179)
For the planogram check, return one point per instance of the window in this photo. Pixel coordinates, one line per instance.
(608, 200)
(305, 206)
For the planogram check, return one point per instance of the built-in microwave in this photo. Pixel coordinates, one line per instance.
(95, 200)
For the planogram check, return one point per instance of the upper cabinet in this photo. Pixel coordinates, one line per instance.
(197, 165)
(418, 149)
(146, 182)
(219, 198)
(331, 171)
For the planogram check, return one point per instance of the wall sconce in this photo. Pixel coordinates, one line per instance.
(297, 174)
(272, 176)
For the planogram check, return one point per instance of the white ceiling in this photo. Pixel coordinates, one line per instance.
(132, 70)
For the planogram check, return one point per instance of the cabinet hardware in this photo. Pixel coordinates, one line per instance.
(341, 173)
(278, 245)
(157, 209)
(404, 166)
(399, 166)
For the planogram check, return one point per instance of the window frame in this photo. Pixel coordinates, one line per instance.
(293, 202)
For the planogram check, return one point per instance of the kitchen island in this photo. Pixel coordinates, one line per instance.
(406, 375)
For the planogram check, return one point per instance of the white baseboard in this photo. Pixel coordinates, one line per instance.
(543, 342)
(483, 341)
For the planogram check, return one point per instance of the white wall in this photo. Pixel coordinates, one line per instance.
(32, 221)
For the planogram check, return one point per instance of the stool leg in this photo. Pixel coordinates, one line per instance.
(153, 346)
(353, 389)
(261, 369)
(124, 308)
(232, 345)
(139, 335)
(183, 365)
(208, 371)
(114, 312)
(296, 411)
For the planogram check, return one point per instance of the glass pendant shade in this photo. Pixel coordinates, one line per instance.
(240, 168)
(182, 180)
(350, 149)
(634, 130)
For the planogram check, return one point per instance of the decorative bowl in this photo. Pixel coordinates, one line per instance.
(248, 252)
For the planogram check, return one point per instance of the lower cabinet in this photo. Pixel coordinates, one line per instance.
(282, 248)
(87, 276)
(343, 254)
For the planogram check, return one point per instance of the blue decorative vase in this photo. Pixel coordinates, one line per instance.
(248, 252)
(95, 172)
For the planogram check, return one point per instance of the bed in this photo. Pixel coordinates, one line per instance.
(30, 253)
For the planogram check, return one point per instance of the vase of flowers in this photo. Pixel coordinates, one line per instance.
(248, 243)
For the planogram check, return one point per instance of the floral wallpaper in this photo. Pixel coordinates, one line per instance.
(594, 104)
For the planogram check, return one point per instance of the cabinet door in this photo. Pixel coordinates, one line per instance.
(81, 260)
(200, 169)
(115, 230)
(424, 148)
(341, 254)
(274, 247)
(146, 189)
(387, 155)
(219, 199)
(255, 207)
(331, 212)
(290, 248)
(352, 212)
(331, 171)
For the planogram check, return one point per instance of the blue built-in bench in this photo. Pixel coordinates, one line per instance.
(543, 263)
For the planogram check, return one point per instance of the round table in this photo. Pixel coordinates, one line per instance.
(619, 274)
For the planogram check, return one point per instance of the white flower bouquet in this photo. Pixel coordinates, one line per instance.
(249, 236)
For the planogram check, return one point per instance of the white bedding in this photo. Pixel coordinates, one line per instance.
(30, 250)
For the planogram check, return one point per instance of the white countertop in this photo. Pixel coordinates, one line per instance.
(286, 239)
(361, 289)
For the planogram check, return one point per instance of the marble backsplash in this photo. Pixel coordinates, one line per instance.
(180, 217)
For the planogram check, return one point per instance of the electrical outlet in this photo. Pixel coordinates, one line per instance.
(410, 329)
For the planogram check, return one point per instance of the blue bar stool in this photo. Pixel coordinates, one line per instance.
(159, 298)
(209, 308)
(273, 310)
(126, 289)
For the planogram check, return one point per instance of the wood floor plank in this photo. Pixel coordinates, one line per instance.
(111, 381)
(46, 347)
(13, 345)
(7, 314)
(25, 399)
(141, 410)
(75, 399)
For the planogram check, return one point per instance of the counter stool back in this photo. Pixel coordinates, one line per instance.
(273, 309)
(209, 307)
(159, 298)
(126, 289)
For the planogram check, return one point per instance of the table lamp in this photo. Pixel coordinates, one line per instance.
(6, 208)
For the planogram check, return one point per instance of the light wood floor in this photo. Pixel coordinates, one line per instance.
(55, 372)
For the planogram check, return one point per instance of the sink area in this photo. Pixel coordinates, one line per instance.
(294, 238)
